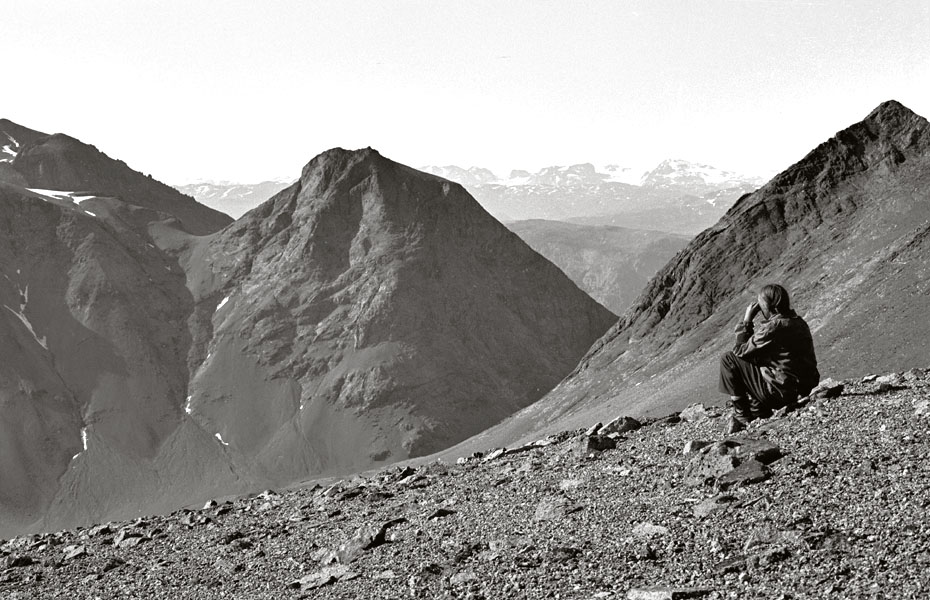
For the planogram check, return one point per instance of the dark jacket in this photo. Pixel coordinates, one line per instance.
(782, 347)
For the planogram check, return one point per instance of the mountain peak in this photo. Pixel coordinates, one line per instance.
(890, 108)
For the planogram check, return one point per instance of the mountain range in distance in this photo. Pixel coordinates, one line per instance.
(676, 196)
(608, 227)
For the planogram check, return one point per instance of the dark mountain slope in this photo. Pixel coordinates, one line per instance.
(92, 370)
(60, 162)
(368, 313)
(613, 264)
(381, 314)
(845, 229)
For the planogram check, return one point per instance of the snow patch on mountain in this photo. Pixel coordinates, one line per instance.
(75, 197)
(10, 149)
(21, 315)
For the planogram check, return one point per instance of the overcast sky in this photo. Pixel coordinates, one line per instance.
(245, 91)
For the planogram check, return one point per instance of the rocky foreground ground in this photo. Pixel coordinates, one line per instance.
(827, 501)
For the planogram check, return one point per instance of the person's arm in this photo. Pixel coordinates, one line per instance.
(752, 342)
(744, 329)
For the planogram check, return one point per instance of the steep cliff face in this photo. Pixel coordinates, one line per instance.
(381, 313)
(92, 369)
(846, 229)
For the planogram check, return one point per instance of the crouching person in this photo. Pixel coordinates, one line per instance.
(771, 365)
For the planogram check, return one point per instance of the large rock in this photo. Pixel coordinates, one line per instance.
(732, 462)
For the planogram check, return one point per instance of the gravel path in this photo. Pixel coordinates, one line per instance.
(841, 514)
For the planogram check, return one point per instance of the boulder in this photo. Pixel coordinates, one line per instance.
(828, 388)
(747, 472)
(620, 425)
(696, 412)
(592, 445)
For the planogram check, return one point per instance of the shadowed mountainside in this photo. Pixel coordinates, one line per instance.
(366, 314)
(846, 229)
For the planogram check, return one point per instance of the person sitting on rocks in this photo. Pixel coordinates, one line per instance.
(770, 366)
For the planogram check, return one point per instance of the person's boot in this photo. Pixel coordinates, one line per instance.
(759, 409)
(741, 415)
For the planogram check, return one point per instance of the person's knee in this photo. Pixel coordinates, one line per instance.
(728, 360)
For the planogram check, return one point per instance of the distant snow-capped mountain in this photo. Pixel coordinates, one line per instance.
(676, 173)
(232, 198)
(677, 196)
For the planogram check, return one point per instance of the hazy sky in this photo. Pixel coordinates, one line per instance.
(241, 90)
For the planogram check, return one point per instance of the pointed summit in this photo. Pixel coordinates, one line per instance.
(376, 293)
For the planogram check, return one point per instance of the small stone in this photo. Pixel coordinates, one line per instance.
(750, 471)
(593, 429)
(112, 563)
(644, 551)
(227, 567)
(620, 425)
(648, 530)
(497, 453)
(761, 450)
(463, 577)
(668, 421)
(440, 513)
(890, 378)
(324, 576)
(15, 561)
(99, 530)
(587, 446)
(706, 467)
(914, 374)
(696, 412)
(712, 505)
(553, 508)
(74, 551)
(694, 445)
(828, 388)
(667, 593)
(386, 574)
(404, 473)
(922, 408)
(569, 484)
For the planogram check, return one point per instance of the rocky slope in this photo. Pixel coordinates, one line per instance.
(381, 313)
(612, 264)
(827, 501)
(366, 314)
(846, 230)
